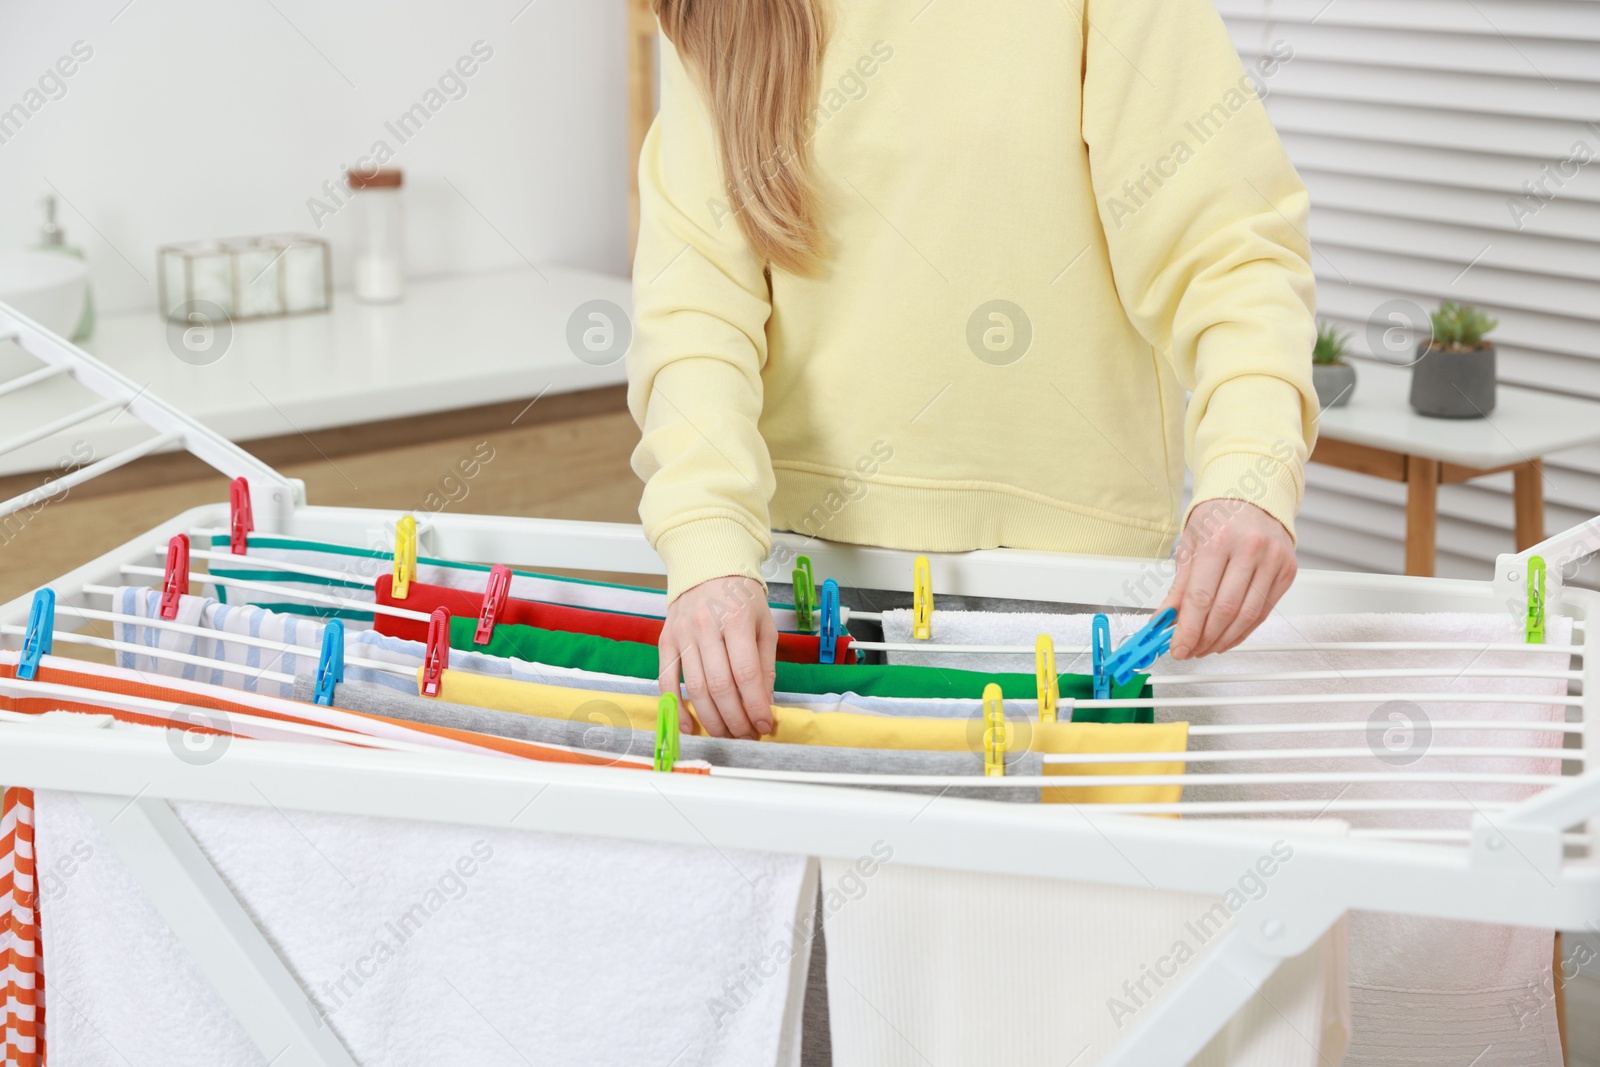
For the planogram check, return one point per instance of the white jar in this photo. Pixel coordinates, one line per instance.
(380, 245)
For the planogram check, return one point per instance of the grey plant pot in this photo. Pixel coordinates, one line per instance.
(1335, 382)
(1453, 385)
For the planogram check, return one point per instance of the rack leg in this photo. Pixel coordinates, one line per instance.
(213, 926)
(1215, 986)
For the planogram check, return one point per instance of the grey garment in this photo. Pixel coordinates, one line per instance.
(603, 729)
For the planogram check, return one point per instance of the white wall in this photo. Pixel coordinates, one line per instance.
(1414, 123)
(210, 118)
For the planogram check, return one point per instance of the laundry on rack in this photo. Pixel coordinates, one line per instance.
(202, 711)
(600, 725)
(364, 565)
(798, 726)
(439, 944)
(644, 629)
(605, 656)
(905, 683)
(1061, 969)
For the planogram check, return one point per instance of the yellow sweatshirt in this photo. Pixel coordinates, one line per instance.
(1047, 222)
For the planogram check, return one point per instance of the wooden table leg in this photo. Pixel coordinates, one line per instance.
(1529, 496)
(1422, 514)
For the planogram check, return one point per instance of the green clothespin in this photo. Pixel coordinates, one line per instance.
(666, 732)
(1536, 600)
(805, 594)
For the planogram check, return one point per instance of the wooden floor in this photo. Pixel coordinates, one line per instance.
(564, 457)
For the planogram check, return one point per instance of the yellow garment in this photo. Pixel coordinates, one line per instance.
(1142, 223)
(799, 726)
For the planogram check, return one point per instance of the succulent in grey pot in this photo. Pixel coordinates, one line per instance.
(1454, 375)
(1333, 376)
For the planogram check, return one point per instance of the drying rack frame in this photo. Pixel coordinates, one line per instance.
(1515, 870)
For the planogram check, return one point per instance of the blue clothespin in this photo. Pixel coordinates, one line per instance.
(829, 610)
(39, 638)
(1141, 650)
(1100, 650)
(330, 667)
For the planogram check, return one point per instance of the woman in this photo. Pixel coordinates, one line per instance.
(937, 275)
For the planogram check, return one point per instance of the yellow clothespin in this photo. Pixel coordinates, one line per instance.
(996, 733)
(1044, 657)
(405, 557)
(921, 599)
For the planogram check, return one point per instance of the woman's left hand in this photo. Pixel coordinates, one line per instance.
(1234, 563)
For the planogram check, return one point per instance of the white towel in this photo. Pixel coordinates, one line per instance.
(954, 967)
(1423, 991)
(431, 944)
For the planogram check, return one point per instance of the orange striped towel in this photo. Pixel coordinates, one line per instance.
(20, 955)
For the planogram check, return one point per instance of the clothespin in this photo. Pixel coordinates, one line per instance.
(1100, 652)
(805, 593)
(240, 519)
(996, 735)
(494, 602)
(1142, 649)
(1044, 657)
(39, 638)
(1536, 576)
(437, 659)
(330, 667)
(830, 625)
(666, 732)
(405, 557)
(921, 599)
(175, 582)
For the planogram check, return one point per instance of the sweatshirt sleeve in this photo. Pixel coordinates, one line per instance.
(1206, 222)
(701, 304)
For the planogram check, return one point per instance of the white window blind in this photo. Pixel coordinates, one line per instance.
(1415, 125)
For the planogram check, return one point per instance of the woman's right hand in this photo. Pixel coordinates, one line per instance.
(722, 636)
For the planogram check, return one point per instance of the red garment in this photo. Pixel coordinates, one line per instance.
(646, 630)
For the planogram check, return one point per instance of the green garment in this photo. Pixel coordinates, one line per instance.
(631, 659)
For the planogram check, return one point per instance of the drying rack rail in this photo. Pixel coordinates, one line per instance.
(1517, 866)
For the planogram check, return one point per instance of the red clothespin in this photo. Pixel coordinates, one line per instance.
(240, 520)
(175, 583)
(494, 602)
(437, 659)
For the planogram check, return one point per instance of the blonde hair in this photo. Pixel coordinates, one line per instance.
(757, 63)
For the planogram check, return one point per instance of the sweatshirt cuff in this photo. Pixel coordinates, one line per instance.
(702, 549)
(1270, 484)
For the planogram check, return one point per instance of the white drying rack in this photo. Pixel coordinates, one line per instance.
(1516, 868)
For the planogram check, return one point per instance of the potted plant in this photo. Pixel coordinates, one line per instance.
(1334, 378)
(1454, 375)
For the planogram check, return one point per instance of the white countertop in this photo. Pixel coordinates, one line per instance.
(1525, 424)
(451, 343)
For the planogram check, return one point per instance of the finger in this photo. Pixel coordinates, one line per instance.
(694, 680)
(1271, 581)
(669, 668)
(744, 659)
(1199, 593)
(1239, 597)
(767, 643)
(724, 691)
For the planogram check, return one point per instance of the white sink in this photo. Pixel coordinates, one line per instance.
(48, 287)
